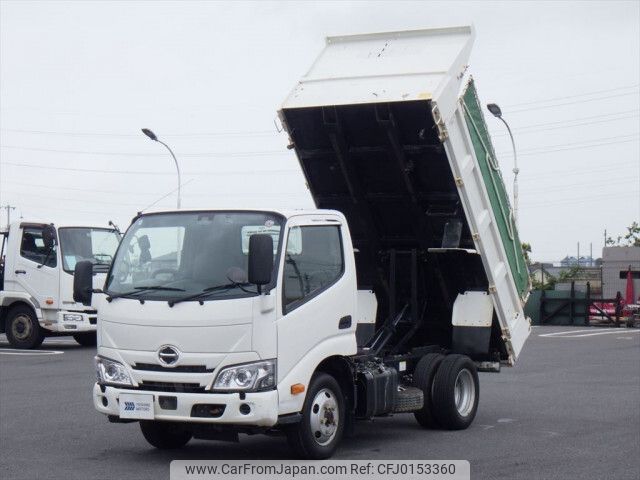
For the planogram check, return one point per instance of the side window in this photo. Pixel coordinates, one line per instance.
(32, 248)
(313, 261)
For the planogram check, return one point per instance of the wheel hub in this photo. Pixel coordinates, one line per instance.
(464, 393)
(324, 416)
(21, 327)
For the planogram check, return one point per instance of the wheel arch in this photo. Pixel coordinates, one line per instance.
(341, 369)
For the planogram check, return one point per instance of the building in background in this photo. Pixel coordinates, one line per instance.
(615, 265)
(584, 261)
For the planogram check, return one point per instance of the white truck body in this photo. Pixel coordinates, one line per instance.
(400, 270)
(43, 281)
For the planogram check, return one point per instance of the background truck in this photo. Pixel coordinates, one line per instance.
(407, 280)
(37, 262)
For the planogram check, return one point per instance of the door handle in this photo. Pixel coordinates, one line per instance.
(20, 271)
(345, 322)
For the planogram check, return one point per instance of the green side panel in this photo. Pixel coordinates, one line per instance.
(532, 308)
(495, 187)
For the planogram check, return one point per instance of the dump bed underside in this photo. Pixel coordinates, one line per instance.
(384, 167)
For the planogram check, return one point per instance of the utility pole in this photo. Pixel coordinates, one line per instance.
(8, 208)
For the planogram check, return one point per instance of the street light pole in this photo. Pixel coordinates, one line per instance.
(153, 137)
(496, 112)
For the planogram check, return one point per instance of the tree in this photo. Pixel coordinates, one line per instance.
(549, 282)
(571, 274)
(630, 239)
(526, 249)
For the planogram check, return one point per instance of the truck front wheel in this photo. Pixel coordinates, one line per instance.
(320, 430)
(22, 328)
(455, 392)
(165, 435)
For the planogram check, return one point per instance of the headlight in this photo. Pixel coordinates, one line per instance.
(72, 317)
(110, 371)
(247, 377)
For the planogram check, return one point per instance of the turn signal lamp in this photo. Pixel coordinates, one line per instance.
(297, 388)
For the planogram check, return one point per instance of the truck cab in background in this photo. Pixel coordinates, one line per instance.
(36, 280)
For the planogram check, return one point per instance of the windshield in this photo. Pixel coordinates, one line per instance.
(98, 245)
(170, 256)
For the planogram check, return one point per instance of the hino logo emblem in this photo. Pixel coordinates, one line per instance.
(168, 355)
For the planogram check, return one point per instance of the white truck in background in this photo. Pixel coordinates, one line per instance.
(406, 281)
(37, 261)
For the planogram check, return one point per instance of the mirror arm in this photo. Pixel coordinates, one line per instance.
(46, 259)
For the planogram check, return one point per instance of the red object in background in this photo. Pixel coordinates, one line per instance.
(630, 296)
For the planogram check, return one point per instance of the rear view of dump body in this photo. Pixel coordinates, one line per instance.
(389, 132)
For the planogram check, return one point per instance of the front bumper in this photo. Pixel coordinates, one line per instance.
(263, 406)
(60, 325)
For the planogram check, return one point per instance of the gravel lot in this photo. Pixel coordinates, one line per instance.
(569, 409)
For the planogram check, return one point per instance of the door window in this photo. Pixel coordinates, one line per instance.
(33, 248)
(313, 262)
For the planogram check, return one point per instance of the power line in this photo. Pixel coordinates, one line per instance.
(599, 183)
(595, 92)
(581, 147)
(144, 172)
(582, 200)
(545, 147)
(570, 103)
(154, 155)
(76, 189)
(526, 130)
(134, 136)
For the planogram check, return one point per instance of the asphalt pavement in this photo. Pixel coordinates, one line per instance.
(570, 409)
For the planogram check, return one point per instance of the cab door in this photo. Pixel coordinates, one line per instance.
(36, 267)
(317, 301)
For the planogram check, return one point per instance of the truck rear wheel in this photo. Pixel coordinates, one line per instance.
(86, 339)
(165, 435)
(22, 328)
(455, 392)
(320, 430)
(423, 376)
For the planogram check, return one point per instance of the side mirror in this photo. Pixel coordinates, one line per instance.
(83, 282)
(49, 236)
(260, 259)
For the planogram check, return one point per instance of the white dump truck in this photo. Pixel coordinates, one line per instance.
(388, 298)
(37, 261)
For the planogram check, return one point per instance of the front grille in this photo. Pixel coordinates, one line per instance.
(152, 367)
(93, 320)
(172, 387)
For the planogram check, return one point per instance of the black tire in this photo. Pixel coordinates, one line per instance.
(165, 435)
(324, 401)
(455, 372)
(423, 376)
(409, 399)
(86, 339)
(22, 328)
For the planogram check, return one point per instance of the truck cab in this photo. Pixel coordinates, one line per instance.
(181, 314)
(36, 280)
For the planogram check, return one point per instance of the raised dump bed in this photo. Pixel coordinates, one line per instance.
(389, 131)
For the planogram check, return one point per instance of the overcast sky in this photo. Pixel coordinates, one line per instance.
(79, 79)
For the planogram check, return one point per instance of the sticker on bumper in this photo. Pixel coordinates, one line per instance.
(136, 406)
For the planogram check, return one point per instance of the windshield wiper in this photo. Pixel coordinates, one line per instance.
(143, 289)
(211, 290)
